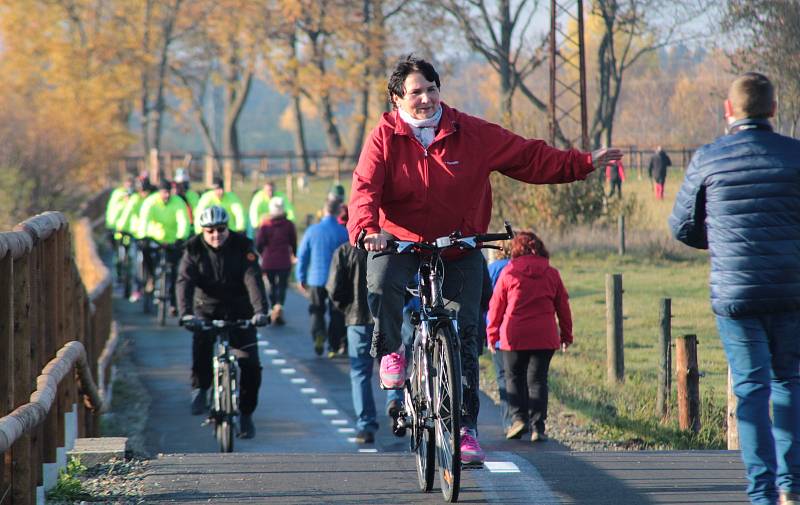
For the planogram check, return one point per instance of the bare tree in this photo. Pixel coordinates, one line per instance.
(768, 33)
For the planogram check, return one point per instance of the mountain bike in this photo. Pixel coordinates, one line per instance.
(224, 411)
(163, 275)
(122, 242)
(432, 393)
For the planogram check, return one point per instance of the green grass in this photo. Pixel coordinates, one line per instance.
(68, 487)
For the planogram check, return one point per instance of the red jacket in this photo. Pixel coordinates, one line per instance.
(527, 297)
(422, 194)
(615, 166)
(276, 242)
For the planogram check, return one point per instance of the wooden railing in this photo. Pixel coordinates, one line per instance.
(55, 320)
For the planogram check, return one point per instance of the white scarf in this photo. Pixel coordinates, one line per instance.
(424, 129)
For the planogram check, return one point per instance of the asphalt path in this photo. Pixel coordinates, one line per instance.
(304, 451)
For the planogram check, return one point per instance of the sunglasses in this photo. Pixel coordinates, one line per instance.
(218, 229)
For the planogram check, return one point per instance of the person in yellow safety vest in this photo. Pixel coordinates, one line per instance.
(116, 202)
(225, 199)
(259, 205)
(128, 222)
(180, 186)
(164, 218)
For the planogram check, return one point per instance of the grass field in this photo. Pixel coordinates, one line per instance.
(655, 267)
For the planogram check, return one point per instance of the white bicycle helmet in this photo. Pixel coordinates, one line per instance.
(213, 216)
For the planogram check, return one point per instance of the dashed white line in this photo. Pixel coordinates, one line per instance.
(339, 422)
(279, 361)
(263, 343)
(501, 467)
(319, 401)
(270, 352)
(330, 412)
(288, 371)
(308, 391)
(346, 430)
(368, 450)
(298, 380)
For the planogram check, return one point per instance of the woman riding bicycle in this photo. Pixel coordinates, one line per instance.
(424, 173)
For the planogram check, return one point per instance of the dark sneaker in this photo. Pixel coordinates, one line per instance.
(198, 401)
(246, 427)
(516, 430)
(393, 410)
(365, 437)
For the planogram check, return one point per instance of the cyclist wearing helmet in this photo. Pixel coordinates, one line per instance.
(219, 278)
(128, 222)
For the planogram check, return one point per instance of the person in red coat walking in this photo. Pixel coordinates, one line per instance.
(527, 299)
(276, 242)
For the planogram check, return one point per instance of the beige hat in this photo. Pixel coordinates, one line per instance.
(276, 206)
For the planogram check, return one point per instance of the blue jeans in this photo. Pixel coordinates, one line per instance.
(359, 339)
(500, 376)
(764, 356)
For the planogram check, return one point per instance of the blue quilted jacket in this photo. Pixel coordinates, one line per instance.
(741, 200)
(316, 251)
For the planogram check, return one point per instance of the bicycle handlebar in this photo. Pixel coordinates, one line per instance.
(209, 324)
(454, 240)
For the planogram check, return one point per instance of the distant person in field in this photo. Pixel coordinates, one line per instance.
(657, 171)
(615, 175)
(740, 199)
(529, 316)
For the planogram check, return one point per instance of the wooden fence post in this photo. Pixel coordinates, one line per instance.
(153, 167)
(227, 173)
(208, 175)
(615, 359)
(49, 284)
(688, 383)
(23, 483)
(733, 425)
(6, 358)
(621, 228)
(665, 358)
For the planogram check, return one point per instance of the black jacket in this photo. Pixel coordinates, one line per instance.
(220, 284)
(741, 200)
(347, 285)
(657, 170)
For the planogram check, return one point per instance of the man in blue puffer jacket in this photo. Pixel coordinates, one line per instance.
(313, 262)
(741, 200)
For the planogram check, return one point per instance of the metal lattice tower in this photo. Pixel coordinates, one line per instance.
(567, 108)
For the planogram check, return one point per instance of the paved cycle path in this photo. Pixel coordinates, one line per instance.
(303, 451)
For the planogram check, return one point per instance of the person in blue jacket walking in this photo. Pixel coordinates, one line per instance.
(313, 262)
(741, 201)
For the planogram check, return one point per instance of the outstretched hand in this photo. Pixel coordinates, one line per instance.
(605, 155)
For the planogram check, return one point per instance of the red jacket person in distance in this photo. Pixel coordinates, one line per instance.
(424, 173)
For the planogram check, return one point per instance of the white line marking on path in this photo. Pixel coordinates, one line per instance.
(339, 422)
(298, 380)
(501, 467)
(288, 371)
(330, 412)
(308, 391)
(368, 450)
(279, 361)
(263, 343)
(346, 430)
(524, 486)
(319, 401)
(352, 440)
(270, 352)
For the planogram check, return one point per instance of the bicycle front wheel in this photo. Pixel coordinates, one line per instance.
(163, 297)
(447, 412)
(225, 424)
(422, 438)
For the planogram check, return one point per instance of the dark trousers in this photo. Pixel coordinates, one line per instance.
(250, 366)
(526, 385)
(319, 305)
(615, 186)
(278, 280)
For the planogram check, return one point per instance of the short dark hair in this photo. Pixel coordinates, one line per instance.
(332, 207)
(409, 65)
(752, 96)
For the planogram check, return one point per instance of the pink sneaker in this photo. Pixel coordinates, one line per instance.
(471, 452)
(393, 370)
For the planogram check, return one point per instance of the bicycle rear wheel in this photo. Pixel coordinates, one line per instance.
(447, 412)
(124, 270)
(422, 439)
(225, 425)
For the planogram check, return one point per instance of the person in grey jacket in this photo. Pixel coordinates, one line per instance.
(741, 201)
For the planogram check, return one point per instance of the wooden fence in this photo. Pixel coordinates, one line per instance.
(55, 320)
